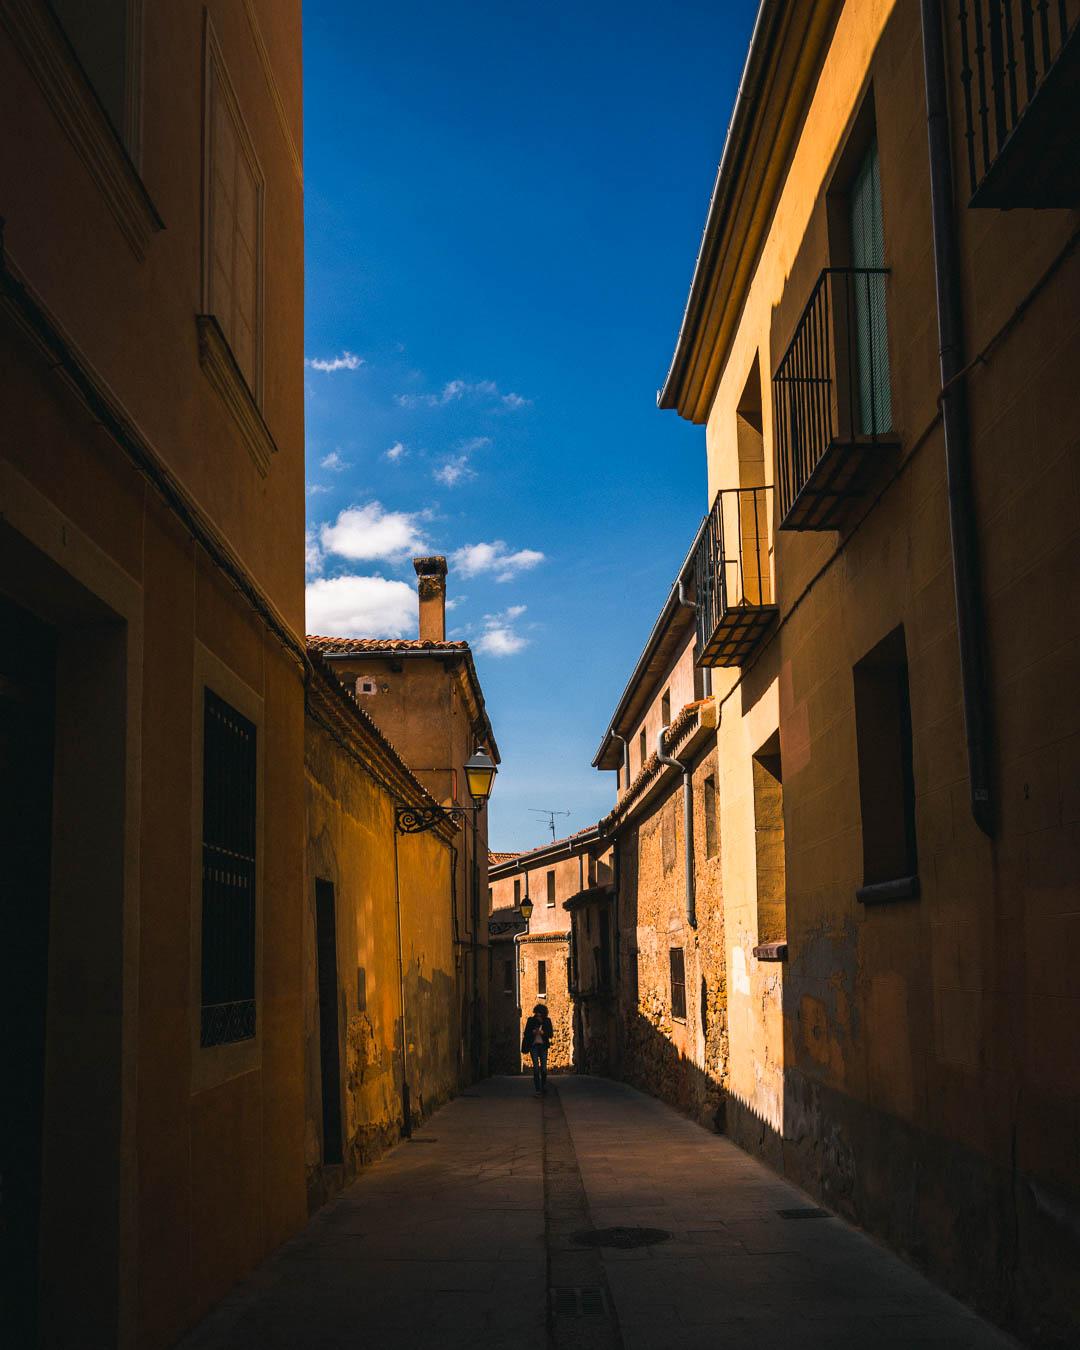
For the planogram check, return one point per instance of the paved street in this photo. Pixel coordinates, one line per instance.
(470, 1236)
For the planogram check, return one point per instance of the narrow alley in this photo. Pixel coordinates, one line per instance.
(471, 1234)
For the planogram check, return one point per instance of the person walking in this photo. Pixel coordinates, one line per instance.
(535, 1040)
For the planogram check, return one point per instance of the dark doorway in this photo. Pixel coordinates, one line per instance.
(27, 716)
(329, 1051)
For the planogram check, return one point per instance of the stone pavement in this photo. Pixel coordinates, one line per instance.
(470, 1236)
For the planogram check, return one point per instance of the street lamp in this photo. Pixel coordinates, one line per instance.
(480, 773)
(525, 909)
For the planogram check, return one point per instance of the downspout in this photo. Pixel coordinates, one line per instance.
(688, 823)
(954, 415)
(625, 751)
(706, 671)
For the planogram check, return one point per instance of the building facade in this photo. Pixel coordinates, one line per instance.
(886, 592)
(668, 1032)
(380, 989)
(152, 686)
(534, 962)
(424, 695)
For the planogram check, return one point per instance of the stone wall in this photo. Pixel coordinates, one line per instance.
(682, 1060)
(553, 949)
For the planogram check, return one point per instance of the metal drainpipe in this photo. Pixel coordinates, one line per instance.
(625, 751)
(688, 823)
(954, 414)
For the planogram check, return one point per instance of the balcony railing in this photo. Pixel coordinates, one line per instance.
(733, 577)
(1020, 71)
(832, 404)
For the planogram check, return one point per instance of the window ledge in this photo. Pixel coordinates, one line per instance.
(216, 358)
(49, 58)
(885, 892)
(771, 951)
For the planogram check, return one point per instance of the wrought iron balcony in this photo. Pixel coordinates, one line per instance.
(733, 577)
(1020, 70)
(832, 404)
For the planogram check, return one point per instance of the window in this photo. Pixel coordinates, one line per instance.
(678, 984)
(366, 685)
(769, 842)
(541, 978)
(508, 977)
(665, 707)
(642, 750)
(886, 777)
(232, 248)
(517, 891)
(603, 952)
(228, 897)
(551, 890)
(709, 807)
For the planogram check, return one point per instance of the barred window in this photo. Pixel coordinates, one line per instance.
(228, 907)
(678, 984)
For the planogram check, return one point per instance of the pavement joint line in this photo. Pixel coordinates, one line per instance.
(577, 1285)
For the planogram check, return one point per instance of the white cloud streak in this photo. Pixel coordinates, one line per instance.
(334, 462)
(396, 453)
(499, 637)
(455, 390)
(356, 606)
(329, 365)
(454, 470)
(476, 559)
(365, 533)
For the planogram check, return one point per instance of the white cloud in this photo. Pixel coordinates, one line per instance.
(453, 390)
(328, 365)
(454, 470)
(360, 607)
(368, 532)
(334, 461)
(499, 637)
(313, 489)
(474, 443)
(396, 453)
(313, 554)
(454, 601)
(474, 559)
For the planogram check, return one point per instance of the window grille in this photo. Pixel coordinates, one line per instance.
(228, 905)
(678, 984)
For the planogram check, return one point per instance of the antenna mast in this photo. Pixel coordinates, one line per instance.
(550, 817)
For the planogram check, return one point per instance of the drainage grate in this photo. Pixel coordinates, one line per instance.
(809, 1212)
(587, 1301)
(624, 1238)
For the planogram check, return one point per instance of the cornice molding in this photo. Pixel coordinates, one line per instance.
(217, 360)
(49, 57)
(263, 53)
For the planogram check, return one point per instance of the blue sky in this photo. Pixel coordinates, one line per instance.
(504, 203)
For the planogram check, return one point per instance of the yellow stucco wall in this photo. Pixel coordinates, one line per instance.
(933, 1038)
(350, 843)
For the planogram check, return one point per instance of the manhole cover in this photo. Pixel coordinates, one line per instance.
(807, 1213)
(624, 1238)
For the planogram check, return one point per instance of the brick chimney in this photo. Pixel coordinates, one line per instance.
(431, 586)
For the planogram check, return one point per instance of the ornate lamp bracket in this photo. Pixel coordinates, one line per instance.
(418, 819)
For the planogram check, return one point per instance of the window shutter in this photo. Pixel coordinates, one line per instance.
(868, 298)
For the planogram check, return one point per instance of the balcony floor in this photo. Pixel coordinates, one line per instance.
(737, 634)
(842, 477)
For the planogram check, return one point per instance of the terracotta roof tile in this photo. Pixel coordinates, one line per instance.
(354, 644)
(495, 858)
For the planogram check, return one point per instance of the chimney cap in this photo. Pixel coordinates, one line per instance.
(434, 565)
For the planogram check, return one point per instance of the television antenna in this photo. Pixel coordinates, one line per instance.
(550, 816)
